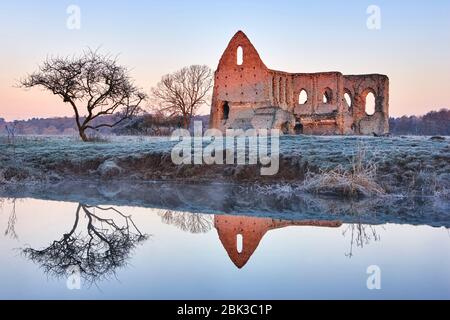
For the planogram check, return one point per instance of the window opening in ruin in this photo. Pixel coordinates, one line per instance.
(327, 96)
(225, 110)
(348, 99)
(298, 128)
(239, 242)
(240, 56)
(303, 97)
(370, 104)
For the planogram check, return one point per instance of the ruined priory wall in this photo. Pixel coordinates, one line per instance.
(358, 87)
(317, 116)
(248, 95)
(243, 87)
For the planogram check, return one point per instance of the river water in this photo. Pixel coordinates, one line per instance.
(66, 249)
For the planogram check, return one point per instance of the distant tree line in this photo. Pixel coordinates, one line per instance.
(430, 124)
(52, 126)
(151, 124)
(159, 124)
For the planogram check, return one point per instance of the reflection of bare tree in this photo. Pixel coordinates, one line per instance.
(186, 221)
(11, 226)
(98, 248)
(360, 235)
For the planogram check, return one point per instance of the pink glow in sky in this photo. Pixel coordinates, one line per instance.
(412, 47)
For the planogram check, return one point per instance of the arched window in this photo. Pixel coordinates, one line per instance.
(225, 110)
(370, 104)
(348, 99)
(240, 56)
(298, 128)
(327, 95)
(239, 242)
(303, 97)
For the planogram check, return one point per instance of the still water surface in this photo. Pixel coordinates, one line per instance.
(148, 253)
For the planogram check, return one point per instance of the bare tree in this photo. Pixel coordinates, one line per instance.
(183, 92)
(360, 235)
(11, 132)
(93, 85)
(158, 124)
(97, 246)
(11, 227)
(186, 221)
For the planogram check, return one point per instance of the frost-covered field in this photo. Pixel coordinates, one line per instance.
(399, 165)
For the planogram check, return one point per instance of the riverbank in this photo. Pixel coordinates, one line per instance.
(341, 166)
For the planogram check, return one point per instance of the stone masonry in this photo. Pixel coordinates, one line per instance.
(249, 95)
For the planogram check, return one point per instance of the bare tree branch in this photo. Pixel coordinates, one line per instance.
(93, 85)
(184, 92)
(97, 246)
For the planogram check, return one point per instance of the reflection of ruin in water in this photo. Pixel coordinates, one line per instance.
(110, 236)
(251, 230)
(241, 235)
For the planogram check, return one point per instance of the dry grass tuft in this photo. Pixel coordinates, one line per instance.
(97, 138)
(427, 183)
(360, 181)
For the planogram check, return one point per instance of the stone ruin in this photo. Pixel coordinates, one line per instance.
(248, 95)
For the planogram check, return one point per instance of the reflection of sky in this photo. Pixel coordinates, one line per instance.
(158, 37)
(292, 262)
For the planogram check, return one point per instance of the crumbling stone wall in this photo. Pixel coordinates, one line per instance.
(250, 95)
(358, 87)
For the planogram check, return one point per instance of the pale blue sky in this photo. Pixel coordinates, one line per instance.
(157, 37)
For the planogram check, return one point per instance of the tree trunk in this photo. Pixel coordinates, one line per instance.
(186, 122)
(83, 135)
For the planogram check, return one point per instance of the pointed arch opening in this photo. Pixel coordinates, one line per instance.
(348, 98)
(370, 103)
(303, 97)
(327, 96)
(298, 128)
(239, 56)
(239, 243)
(225, 110)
